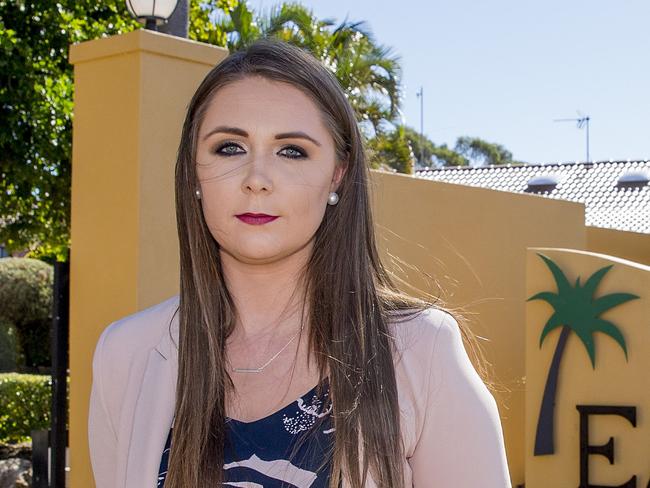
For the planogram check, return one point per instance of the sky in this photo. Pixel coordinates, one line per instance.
(503, 70)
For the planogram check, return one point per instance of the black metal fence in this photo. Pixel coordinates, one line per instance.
(49, 446)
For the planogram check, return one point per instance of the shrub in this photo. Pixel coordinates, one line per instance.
(24, 405)
(26, 302)
(8, 347)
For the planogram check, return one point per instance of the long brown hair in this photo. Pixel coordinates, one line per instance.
(350, 294)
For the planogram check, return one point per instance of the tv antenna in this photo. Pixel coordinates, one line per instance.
(583, 121)
(420, 95)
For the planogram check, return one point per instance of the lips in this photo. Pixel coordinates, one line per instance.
(256, 219)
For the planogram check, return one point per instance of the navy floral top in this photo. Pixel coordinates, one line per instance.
(257, 453)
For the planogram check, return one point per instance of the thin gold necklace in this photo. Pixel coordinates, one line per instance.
(261, 368)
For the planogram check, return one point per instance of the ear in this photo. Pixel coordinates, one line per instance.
(339, 171)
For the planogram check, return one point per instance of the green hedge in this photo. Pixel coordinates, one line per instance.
(26, 295)
(8, 346)
(24, 405)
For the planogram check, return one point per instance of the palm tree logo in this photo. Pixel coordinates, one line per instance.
(575, 310)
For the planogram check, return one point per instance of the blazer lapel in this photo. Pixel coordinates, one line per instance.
(154, 411)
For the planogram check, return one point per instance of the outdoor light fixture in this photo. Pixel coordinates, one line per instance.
(151, 13)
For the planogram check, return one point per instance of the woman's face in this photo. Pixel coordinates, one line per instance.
(263, 149)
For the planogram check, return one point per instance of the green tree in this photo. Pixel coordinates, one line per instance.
(445, 156)
(26, 298)
(202, 26)
(485, 152)
(466, 149)
(36, 100)
(422, 147)
(391, 150)
(36, 93)
(427, 153)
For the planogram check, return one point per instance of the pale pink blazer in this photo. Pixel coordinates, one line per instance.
(450, 422)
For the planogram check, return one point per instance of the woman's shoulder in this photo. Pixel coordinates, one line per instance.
(138, 331)
(416, 336)
(448, 413)
(427, 347)
(416, 331)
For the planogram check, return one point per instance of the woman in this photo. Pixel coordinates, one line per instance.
(296, 362)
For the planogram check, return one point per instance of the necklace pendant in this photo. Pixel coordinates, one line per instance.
(247, 370)
(259, 370)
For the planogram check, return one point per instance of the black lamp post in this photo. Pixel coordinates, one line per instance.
(151, 13)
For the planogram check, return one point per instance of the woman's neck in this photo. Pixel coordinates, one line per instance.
(266, 294)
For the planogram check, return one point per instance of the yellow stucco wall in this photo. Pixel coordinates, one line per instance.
(614, 381)
(627, 245)
(131, 92)
(472, 243)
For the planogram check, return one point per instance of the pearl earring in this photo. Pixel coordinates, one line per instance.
(333, 198)
(198, 193)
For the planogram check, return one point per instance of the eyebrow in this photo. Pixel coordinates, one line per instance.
(241, 132)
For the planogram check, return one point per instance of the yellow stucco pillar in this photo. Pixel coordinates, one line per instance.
(131, 94)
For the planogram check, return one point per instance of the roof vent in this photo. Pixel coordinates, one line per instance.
(633, 178)
(543, 183)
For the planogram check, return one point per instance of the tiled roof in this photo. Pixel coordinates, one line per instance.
(616, 194)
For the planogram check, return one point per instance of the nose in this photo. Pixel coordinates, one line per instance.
(256, 176)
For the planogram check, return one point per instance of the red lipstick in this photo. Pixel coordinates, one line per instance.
(255, 218)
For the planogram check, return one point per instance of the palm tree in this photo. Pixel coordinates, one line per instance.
(368, 72)
(575, 310)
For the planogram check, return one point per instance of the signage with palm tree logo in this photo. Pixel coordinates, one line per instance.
(577, 309)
